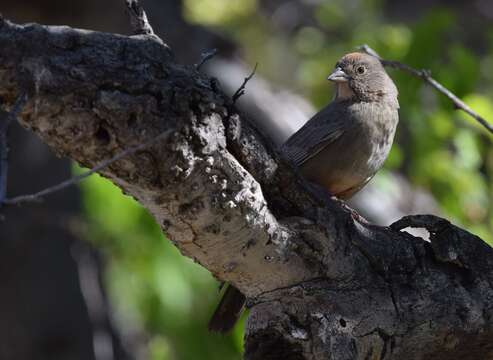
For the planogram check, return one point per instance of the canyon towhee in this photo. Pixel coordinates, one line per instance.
(340, 148)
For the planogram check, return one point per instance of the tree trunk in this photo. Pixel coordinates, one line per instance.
(319, 284)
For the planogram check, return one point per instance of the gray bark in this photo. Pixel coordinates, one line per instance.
(320, 285)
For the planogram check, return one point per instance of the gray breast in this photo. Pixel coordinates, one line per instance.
(351, 160)
(381, 130)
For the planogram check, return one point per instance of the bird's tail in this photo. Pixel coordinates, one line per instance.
(228, 311)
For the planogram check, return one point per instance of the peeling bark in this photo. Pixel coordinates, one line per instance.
(320, 286)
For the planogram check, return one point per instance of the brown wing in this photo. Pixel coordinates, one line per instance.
(323, 128)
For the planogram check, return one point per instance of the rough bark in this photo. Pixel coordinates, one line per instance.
(320, 285)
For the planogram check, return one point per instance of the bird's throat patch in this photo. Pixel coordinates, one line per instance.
(343, 92)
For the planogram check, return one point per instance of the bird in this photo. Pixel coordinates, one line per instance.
(343, 146)
(340, 148)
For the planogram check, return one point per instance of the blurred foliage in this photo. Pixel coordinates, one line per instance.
(437, 148)
(150, 283)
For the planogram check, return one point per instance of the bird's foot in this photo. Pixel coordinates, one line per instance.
(321, 193)
(354, 214)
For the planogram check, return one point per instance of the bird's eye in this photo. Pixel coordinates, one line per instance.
(361, 69)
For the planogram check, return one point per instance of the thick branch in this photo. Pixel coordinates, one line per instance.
(94, 95)
(320, 285)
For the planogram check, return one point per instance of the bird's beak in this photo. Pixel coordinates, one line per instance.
(338, 75)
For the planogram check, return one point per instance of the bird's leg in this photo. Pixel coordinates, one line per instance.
(322, 193)
(354, 214)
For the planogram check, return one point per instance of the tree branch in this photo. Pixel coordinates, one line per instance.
(425, 75)
(241, 90)
(138, 18)
(6, 119)
(319, 285)
(206, 56)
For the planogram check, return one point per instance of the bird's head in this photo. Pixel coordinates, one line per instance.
(362, 77)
